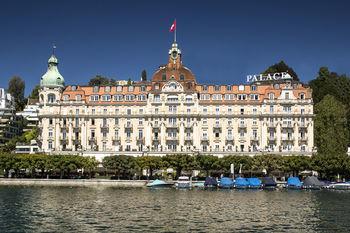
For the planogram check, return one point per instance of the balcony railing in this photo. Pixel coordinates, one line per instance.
(229, 138)
(302, 139)
(128, 125)
(287, 125)
(172, 138)
(288, 138)
(204, 138)
(271, 124)
(254, 138)
(242, 125)
(172, 125)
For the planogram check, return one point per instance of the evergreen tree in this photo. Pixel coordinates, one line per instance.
(282, 67)
(16, 88)
(144, 76)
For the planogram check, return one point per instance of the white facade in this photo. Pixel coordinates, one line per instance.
(173, 114)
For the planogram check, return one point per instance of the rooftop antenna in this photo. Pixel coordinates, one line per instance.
(53, 48)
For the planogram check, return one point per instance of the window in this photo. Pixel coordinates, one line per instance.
(94, 97)
(271, 109)
(204, 88)
(66, 97)
(93, 111)
(157, 98)
(143, 88)
(50, 145)
(118, 97)
(217, 88)
(228, 88)
(106, 98)
(50, 121)
(156, 86)
(271, 96)
(287, 109)
(241, 87)
(253, 88)
(141, 97)
(107, 89)
(229, 96)
(116, 121)
(92, 121)
(96, 89)
(50, 134)
(51, 98)
(130, 88)
(217, 97)
(128, 111)
(205, 96)
(302, 96)
(78, 97)
(254, 97)
(242, 111)
(286, 95)
(119, 88)
(129, 97)
(182, 77)
(241, 97)
(164, 76)
(76, 111)
(74, 88)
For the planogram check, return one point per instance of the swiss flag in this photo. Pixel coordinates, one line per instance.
(173, 26)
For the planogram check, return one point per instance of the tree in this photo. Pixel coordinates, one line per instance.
(296, 163)
(100, 80)
(179, 162)
(207, 163)
(268, 162)
(129, 83)
(144, 76)
(149, 162)
(282, 67)
(16, 88)
(237, 160)
(35, 93)
(331, 131)
(121, 164)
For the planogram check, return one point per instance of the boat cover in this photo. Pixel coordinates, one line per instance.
(254, 182)
(312, 181)
(294, 181)
(210, 181)
(268, 181)
(158, 182)
(241, 182)
(226, 182)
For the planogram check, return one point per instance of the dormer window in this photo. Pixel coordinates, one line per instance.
(143, 88)
(74, 88)
(217, 88)
(204, 88)
(253, 88)
(182, 77)
(130, 88)
(164, 77)
(119, 88)
(271, 96)
(156, 86)
(107, 89)
(228, 88)
(65, 97)
(78, 97)
(96, 89)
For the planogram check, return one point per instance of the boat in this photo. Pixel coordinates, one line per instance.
(241, 183)
(312, 182)
(340, 186)
(183, 182)
(159, 184)
(293, 183)
(226, 183)
(268, 183)
(254, 183)
(210, 182)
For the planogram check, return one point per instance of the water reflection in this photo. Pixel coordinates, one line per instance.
(99, 209)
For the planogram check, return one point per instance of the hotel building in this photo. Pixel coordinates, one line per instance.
(172, 113)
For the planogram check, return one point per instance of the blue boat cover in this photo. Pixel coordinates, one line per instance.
(294, 181)
(241, 182)
(210, 181)
(226, 182)
(254, 182)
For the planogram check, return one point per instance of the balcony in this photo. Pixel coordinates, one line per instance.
(64, 140)
(271, 138)
(302, 125)
(303, 139)
(104, 126)
(287, 125)
(172, 138)
(76, 129)
(92, 140)
(116, 139)
(291, 138)
(140, 140)
(172, 125)
(217, 126)
(156, 139)
(188, 138)
(242, 125)
(156, 125)
(188, 125)
(271, 125)
(229, 138)
(204, 138)
(254, 138)
(76, 141)
(128, 125)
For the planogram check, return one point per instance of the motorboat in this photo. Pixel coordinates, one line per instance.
(241, 183)
(268, 183)
(293, 183)
(210, 182)
(226, 183)
(340, 186)
(254, 183)
(183, 182)
(159, 184)
(312, 182)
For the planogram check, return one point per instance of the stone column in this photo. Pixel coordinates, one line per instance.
(263, 134)
(148, 135)
(163, 136)
(278, 136)
(57, 135)
(296, 137)
(70, 134)
(181, 136)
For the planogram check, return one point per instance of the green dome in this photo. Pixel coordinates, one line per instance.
(52, 77)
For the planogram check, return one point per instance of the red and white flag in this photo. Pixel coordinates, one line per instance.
(173, 26)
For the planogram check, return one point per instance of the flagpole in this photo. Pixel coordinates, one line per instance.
(175, 31)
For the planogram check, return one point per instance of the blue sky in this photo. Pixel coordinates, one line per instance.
(221, 41)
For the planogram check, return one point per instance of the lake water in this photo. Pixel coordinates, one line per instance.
(97, 209)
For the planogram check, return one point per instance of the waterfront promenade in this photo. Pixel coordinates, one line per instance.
(74, 182)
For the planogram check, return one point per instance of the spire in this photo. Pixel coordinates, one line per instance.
(52, 77)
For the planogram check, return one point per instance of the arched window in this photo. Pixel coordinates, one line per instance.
(271, 96)
(51, 98)
(302, 96)
(182, 77)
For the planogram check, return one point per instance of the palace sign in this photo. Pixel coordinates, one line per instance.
(268, 77)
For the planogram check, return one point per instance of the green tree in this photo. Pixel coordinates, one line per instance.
(16, 88)
(179, 162)
(268, 162)
(122, 165)
(149, 162)
(295, 164)
(237, 161)
(100, 80)
(207, 163)
(282, 67)
(331, 131)
(143, 75)
(35, 93)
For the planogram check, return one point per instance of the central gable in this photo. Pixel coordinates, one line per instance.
(172, 86)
